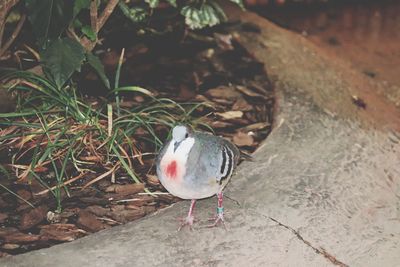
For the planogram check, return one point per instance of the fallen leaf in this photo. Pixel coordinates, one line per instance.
(124, 216)
(24, 194)
(140, 200)
(91, 158)
(224, 41)
(234, 114)
(249, 92)
(153, 180)
(220, 124)
(224, 92)
(243, 139)
(88, 222)
(127, 189)
(61, 232)
(97, 210)
(3, 217)
(18, 237)
(242, 104)
(149, 209)
(255, 126)
(33, 217)
(10, 246)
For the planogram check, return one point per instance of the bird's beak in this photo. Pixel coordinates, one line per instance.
(176, 145)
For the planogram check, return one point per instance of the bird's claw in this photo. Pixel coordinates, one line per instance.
(219, 218)
(189, 220)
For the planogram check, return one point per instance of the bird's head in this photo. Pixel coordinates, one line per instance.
(179, 134)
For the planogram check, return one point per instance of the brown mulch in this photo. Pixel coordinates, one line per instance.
(215, 70)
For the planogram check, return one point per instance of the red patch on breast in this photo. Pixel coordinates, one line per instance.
(172, 169)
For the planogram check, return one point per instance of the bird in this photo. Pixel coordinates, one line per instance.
(195, 165)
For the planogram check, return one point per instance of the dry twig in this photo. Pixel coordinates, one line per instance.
(5, 8)
(97, 22)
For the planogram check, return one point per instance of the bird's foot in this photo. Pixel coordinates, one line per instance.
(219, 218)
(189, 220)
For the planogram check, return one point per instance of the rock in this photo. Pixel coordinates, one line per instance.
(63, 217)
(3, 254)
(89, 222)
(53, 217)
(33, 217)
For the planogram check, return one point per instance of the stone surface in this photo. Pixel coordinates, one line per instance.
(323, 190)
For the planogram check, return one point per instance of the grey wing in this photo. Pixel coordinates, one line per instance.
(214, 157)
(228, 162)
(202, 163)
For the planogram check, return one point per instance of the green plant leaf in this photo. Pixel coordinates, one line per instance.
(136, 14)
(208, 14)
(79, 5)
(238, 2)
(61, 58)
(89, 33)
(133, 89)
(172, 3)
(152, 3)
(96, 64)
(49, 18)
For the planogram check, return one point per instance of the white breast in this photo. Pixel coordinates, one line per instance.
(174, 184)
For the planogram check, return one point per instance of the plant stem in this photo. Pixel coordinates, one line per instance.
(116, 84)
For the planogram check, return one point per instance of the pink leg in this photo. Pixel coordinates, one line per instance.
(220, 211)
(190, 218)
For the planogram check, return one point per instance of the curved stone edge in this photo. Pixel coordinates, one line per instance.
(332, 83)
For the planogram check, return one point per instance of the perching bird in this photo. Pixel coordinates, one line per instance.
(195, 165)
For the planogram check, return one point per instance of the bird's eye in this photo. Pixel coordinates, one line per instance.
(186, 135)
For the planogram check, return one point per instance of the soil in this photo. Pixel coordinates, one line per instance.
(362, 33)
(207, 67)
